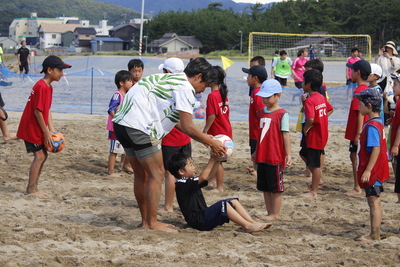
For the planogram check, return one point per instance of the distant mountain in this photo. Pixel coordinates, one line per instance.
(155, 6)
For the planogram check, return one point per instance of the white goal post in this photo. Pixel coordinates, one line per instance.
(326, 46)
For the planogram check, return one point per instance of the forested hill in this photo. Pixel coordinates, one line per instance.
(84, 9)
(155, 6)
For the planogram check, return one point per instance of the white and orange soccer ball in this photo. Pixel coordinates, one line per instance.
(228, 143)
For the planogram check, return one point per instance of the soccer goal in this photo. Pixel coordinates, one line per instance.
(326, 46)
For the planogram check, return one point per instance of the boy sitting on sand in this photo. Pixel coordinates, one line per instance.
(191, 200)
(372, 162)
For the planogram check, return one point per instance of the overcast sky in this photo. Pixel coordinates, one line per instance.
(256, 1)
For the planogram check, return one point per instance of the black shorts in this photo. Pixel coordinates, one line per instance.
(253, 145)
(312, 156)
(24, 65)
(374, 190)
(298, 85)
(169, 151)
(216, 214)
(353, 147)
(270, 178)
(282, 81)
(31, 148)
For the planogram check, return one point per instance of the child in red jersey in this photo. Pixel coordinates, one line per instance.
(273, 152)
(355, 121)
(316, 111)
(36, 125)
(395, 133)
(217, 121)
(256, 76)
(372, 161)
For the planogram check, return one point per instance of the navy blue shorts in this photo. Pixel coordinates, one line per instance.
(373, 190)
(216, 214)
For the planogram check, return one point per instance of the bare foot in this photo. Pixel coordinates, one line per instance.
(309, 194)
(306, 173)
(267, 217)
(212, 183)
(165, 210)
(113, 175)
(128, 169)
(250, 171)
(354, 192)
(216, 190)
(10, 137)
(256, 227)
(398, 201)
(38, 194)
(391, 180)
(366, 238)
(163, 227)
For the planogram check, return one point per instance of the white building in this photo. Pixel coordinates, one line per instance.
(50, 34)
(26, 28)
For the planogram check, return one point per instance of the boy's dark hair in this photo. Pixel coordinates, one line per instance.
(354, 49)
(276, 52)
(283, 52)
(315, 64)
(135, 63)
(177, 162)
(314, 78)
(364, 74)
(201, 66)
(259, 59)
(310, 46)
(122, 76)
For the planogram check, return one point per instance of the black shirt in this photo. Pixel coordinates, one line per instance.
(191, 201)
(23, 53)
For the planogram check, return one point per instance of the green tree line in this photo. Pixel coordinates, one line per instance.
(218, 28)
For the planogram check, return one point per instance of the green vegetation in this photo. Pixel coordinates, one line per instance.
(218, 29)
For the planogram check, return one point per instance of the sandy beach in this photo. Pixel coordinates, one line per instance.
(92, 220)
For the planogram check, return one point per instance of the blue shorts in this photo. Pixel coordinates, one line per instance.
(373, 190)
(216, 214)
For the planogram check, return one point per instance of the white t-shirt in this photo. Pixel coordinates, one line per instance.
(152, 104)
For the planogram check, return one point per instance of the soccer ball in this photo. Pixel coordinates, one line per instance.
(59, 143)
(228, 143)
(199, 113)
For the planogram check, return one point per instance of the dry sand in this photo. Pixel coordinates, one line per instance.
(92, 220)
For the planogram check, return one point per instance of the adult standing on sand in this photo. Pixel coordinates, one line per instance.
(148, 112)
(24, 58)
(389, 63)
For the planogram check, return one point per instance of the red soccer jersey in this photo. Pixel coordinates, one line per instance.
(256, 104)
(395, 124)
(39, 99)
(221, 124)
(175, 138)
(351, 128)
(270, 147)
(380, 171)
(317, 107)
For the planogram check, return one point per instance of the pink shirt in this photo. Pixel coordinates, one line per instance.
(298, 68)
(351, 60)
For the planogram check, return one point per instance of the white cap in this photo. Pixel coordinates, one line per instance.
(376, 69)
(270, 87)
(173, 65)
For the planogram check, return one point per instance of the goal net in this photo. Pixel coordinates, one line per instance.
(326, 46)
